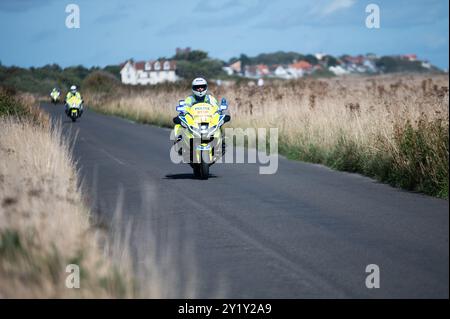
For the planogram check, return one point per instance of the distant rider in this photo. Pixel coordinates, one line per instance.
(73, 92)
(54, 95)
(55, 91)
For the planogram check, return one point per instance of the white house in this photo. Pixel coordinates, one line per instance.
(148, 72)
(228, 70)
(338, 70)
(281, 72)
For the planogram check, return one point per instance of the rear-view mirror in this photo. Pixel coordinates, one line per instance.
(181, 107)
(223, 104)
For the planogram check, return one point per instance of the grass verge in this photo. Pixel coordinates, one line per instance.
(44, 224)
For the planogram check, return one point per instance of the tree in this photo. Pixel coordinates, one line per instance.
(100, 81)
(197, 56)
(232, 60)
(311, 59)
(245, 60)
(206, 68)
(331, 60)
(393, 64)
(192, 56)
(113, 69)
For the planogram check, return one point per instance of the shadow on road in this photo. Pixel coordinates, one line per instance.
(185, 176)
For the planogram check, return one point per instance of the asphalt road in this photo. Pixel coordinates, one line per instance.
(304, 232)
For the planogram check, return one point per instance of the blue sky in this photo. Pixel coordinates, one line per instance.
(33, 32)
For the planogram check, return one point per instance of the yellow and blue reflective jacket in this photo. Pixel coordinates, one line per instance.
(191, 100)
(70, 94)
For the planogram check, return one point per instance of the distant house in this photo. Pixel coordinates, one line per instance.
(236, 67)
(250, 71)
(354, 60)
(233, 68)
(409, 57)
(228, 70)
(148, 72)
(262, 70)
(300, 68)
(319, 56)
(256, 71)
(282, 72)
(338, 70)
(426, 64)
(370, 66)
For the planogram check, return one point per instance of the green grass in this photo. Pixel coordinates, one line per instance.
(417, 162)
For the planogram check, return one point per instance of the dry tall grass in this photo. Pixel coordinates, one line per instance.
(44, 225)
(394, 128)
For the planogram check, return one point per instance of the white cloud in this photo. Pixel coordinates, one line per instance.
(336, 5)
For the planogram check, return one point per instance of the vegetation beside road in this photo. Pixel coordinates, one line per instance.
(44, 223)
(392, 128)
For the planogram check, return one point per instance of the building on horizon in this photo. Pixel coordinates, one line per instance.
(148, 72)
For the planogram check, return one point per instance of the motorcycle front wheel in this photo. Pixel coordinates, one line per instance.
(204, 165)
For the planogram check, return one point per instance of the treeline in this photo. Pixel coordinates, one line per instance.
(42, 79)
(279, 57)
(197, 63)
(392, 65)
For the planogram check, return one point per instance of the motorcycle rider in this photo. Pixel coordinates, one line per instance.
(54, 92)
(199, 95)
(73, 92)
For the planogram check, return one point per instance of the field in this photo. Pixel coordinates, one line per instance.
(393, 128)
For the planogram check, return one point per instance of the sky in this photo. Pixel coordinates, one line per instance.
(34, 32)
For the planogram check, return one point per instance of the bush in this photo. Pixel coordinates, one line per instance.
(421, 163)
(100, 81)
(9, 105)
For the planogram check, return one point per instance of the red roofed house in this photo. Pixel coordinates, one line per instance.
(356, 60)
(300, 68)
(262, 70)
(148, 72)
(256, 71)
(409, 57)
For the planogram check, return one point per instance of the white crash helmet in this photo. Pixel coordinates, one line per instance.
(199, 87)
(73, 88)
